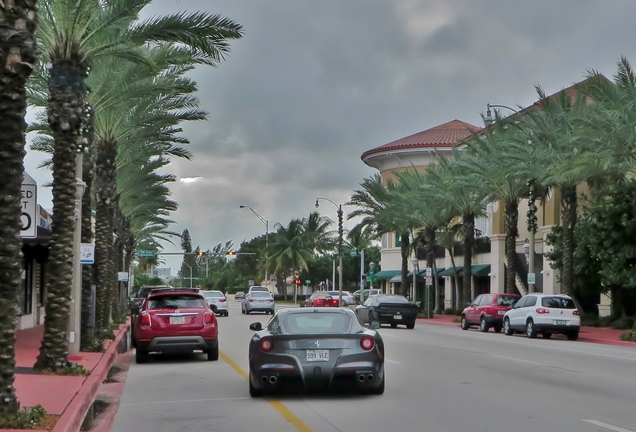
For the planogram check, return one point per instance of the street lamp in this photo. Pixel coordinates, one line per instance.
(266, 223)
(340, 215)
(75, 312)
(489, 120)
(371, 272)
(414, 262)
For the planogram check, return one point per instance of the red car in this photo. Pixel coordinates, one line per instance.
(487, 311)
(321, 299)
(173, 321)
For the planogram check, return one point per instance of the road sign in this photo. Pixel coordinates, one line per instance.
(354, 252)
(429, 272)
(429, 280)
(307, 282)
(145, 253)
(29, 207)
(372, 278)
(532, 278)
(87, 253)
(122, 276)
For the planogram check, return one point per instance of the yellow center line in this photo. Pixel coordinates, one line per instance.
(298, 424)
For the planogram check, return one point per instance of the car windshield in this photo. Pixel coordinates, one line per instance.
(506, 300)
(558, 302)
(321, 323)
(213, 294)
(392, 299)
(260, 294)
(176, 301)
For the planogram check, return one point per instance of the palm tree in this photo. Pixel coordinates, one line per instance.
(74, 34)
(383, 212)
(18, 55)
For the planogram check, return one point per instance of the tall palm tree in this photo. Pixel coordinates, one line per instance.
(18, 57)
(383, 212)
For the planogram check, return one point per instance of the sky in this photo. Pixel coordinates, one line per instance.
(314, 84)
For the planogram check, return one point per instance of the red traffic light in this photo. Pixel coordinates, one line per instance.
(297, 281)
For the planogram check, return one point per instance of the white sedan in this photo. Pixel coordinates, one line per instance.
(347, 298)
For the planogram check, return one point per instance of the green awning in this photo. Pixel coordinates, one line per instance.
(396, 279)
(450, 271)
(480, 269)
(387, 274)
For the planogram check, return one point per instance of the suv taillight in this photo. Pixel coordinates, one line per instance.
(267, 344)
(367, 343)
(576, 312)
(543, 311)
(208, 318)
(144, 320)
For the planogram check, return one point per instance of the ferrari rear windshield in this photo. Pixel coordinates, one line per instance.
(176, 301)
(317, 323)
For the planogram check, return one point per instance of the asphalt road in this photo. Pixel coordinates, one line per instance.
(439, 379)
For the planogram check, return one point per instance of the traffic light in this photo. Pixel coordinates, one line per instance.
(200, 253)
(231, 253)
(297, 281)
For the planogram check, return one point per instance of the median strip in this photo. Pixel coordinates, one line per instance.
(298, 424)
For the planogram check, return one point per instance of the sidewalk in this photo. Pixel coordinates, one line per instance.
(600, 335)
(69, 397)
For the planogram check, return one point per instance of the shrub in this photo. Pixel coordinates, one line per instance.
(590, 320)
(623, 323)
(629, 336)
(24, 419)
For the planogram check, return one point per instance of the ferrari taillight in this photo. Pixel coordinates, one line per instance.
(367, 343)
(267, 344)
(144, 320)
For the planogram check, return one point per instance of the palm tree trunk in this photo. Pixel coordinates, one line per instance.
(404, 250)
(65, 115)
(568, 221)
(104, 196)
(17, 57)
(469, 240)
(511, 219)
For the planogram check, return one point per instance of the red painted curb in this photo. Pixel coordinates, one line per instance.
(73, 416)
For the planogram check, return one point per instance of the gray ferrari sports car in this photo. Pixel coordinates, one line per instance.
(315, 348)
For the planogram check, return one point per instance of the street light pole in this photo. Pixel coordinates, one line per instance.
(340, 233)
(75, 312)
(532, 209)
(266, 223)
(414, 262)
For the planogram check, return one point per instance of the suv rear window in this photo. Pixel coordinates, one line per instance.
(506, 300)
(558, 303)
(176, 301)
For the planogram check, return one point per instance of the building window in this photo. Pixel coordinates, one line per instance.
(385, 241)
(398, 240)
(43, 286)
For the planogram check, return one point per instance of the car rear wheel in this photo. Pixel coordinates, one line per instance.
(506, 327)
(141, 356)
(464, 323)
(573, 335)
(213, 353)
(483, 326)
(410, 326)
(531, 331)
(254, 392)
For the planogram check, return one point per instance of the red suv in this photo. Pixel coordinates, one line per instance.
(177, 320)
(487, 311)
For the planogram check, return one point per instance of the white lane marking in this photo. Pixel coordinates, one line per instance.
(392, 361)
(607, 425)
(182, 401)
(515, 359)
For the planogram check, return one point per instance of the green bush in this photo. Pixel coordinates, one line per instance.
(23, 419)
(605, 321)
(629, 336)
(624, 323)
(590, 320)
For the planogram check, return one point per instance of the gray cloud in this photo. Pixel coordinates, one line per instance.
(314, 84)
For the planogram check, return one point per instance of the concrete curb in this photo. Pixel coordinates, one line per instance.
(73, 416)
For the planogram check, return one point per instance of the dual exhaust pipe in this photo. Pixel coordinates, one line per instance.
(368, 377)
(273, 379)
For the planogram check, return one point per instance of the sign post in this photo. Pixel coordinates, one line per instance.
(429, 282)
(145, 253)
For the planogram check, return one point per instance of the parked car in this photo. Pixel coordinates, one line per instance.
(217, 298)
(367, 293)
(141, 295)
(240, 295)
(347, 297)
(299, 342)
(543, 313)
(321, 299)
(388, 309)
(176, 320)
(488, 311)
(258, 301)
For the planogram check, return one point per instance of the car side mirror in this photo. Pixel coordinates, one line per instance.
(374, 325)
(256, 326)
(214, 307)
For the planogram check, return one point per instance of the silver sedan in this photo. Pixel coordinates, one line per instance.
(315, 348)
(258, 301)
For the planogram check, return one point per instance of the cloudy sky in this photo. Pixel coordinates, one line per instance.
(315, 83)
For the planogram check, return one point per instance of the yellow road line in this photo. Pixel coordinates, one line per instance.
(278, 405)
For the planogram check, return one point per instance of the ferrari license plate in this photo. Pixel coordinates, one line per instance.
(561, 322)
(317, 355)
(177, 320)
(398, 316)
